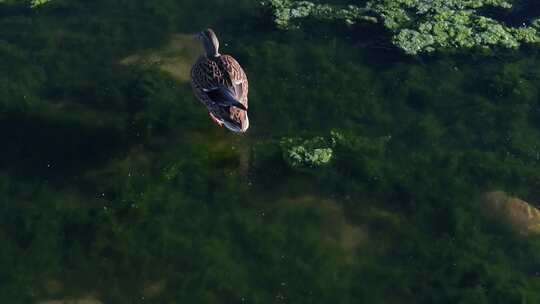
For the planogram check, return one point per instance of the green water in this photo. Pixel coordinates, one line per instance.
(116, 185)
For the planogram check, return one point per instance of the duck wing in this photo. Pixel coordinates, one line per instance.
(220, 81)
(205, 76)
(239, 86)
(221, 85)
(224, 97)
(238, 79)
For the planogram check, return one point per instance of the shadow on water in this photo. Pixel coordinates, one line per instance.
(521, 13)
(37, 147)
(14, 10)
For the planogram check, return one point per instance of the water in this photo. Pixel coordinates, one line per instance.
(116, 187)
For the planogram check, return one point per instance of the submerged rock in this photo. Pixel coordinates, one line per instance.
(153, 289)
(520, 214)
(418, 25)
(53, 286)
(86, 300)
(336, 228)
(175, 58)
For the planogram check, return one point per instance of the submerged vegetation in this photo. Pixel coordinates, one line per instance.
(286, 11)
(306, 153)
(115, 187)
(30, 3)
(417, 25)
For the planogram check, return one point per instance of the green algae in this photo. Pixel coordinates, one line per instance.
(303, 154)
(167, 199)
(36, 3)
(310, 153)
(448, 28)
(419, 26)
(31, 3)
(285, 12)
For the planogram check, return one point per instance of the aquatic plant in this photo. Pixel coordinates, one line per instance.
(417, 25)
(142, 189)
(35, 3)
(447, 27)
(306, 153)
(31, 3)
(285, 11)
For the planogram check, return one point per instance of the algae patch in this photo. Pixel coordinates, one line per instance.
(418, 26)
(31, 3)
(306, 154)
(285, 12)
(302, 154)
(35, 3)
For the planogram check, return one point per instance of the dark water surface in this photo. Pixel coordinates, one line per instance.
(116, 187)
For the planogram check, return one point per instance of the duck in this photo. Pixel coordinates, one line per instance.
(219, 82)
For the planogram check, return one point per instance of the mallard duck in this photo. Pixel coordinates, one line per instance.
(221, 84)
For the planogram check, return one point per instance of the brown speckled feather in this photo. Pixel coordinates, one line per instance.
(224, 71)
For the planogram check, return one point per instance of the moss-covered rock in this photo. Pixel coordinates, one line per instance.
(419, 25)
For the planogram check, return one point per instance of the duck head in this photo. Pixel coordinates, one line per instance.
(210, 42)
